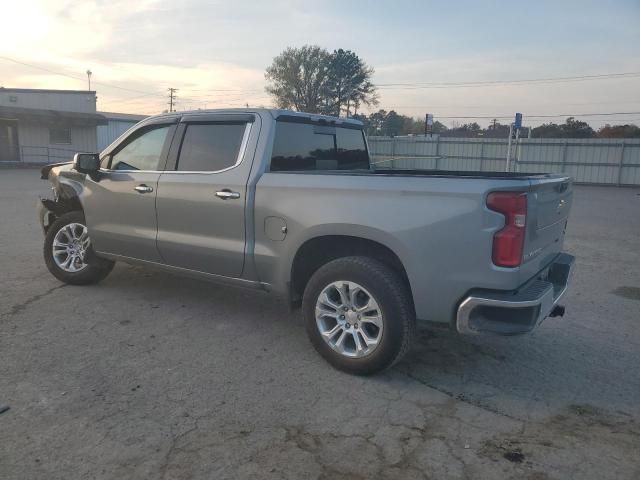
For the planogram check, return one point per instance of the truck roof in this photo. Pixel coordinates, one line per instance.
(274, 112)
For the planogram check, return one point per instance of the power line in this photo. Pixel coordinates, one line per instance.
(580, 78)
(137, 99)
(108, 85)
(491, 117)
(625, 102)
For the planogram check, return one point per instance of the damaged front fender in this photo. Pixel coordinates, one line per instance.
(49, 210)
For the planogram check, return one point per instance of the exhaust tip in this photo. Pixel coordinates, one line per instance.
(558, 311)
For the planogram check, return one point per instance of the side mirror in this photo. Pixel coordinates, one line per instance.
(86, 162)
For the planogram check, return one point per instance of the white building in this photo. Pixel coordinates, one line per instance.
(47, 126)
(117, 124)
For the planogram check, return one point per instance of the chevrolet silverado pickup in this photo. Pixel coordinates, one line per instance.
(290, 203)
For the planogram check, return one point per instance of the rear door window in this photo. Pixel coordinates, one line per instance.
(310, 147)
(210, 147)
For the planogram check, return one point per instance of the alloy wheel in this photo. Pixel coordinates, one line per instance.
(349, 319)
(70, 247)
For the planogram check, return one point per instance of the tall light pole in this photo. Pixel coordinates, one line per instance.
(89, 73)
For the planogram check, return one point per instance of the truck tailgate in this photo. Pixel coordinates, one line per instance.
(548, 206)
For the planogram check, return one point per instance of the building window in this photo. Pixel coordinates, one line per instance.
(60, 136)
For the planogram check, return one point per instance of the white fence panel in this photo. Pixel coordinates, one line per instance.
(602, 161)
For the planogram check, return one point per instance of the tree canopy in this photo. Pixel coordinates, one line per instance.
(311, 79)
(298, 77)
(392, 123)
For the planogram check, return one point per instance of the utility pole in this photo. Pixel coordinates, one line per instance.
(89, 73)
(172, 98)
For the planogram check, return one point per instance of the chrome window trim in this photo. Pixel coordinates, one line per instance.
(128, 133)
(243, 148)
(239, 158)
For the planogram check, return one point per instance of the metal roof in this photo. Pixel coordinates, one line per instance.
(39, 90)
(51, 115)
(123, 116)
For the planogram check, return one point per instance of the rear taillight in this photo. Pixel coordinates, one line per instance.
(508, 243)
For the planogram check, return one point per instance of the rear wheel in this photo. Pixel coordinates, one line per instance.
(358, 314)
(68, 252)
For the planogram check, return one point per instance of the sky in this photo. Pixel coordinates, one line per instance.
(215, 53)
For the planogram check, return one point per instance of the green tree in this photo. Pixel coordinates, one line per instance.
(297, 79)
(349, 83)
(548, 130)
(313, 80)
(439, 127)
(376, 122)
(572, 128)
(393, 124)
(472, 127)
(576, 129)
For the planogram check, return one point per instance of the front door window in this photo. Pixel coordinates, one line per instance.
(142, 152)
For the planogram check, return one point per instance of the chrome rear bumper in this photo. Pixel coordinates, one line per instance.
(519, 311)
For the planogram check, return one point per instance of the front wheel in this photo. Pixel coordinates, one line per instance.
(68, 252)
(358, 314)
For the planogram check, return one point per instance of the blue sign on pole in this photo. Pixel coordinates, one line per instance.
(518, 123)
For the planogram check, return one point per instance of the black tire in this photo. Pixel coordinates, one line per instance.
(96, 268)
(393, 298)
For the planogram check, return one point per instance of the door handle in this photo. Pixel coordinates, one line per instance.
(143, 188)
(227, 194)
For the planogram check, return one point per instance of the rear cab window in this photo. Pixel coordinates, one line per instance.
(317, 147)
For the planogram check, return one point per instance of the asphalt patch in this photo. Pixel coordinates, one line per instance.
(632, 293)
(514, 456)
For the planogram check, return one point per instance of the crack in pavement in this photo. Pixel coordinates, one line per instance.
(20, 307)
(462, 398)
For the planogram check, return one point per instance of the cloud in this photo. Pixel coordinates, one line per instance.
(40, 29)
(215, 52)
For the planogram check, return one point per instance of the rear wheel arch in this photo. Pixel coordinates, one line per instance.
(320, 250)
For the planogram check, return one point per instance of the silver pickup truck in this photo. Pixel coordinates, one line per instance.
(289, 203)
